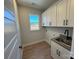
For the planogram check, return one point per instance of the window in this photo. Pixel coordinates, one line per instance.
(34, 22)
(9, 15)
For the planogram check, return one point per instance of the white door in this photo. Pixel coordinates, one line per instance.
(11, 37)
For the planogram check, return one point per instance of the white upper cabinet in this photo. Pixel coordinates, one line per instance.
(44, 23)
(65, 13)
(61, 12)
(52, 15)
(70, 13)
(49, 16)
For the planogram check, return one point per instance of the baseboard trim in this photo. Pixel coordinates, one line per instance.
(33, 43)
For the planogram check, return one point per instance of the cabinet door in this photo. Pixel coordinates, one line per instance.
(53, 15)
(70, 13)
(50, 21)
(61, 12)
(54, 50)
(64, 53)
(48, 17)
(58, 52)
(44, 19)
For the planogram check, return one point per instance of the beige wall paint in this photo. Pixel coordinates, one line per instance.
(28, 36)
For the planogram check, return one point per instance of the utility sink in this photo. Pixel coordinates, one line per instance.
(66, 41)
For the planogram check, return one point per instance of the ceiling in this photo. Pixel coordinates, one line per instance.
(39, 4)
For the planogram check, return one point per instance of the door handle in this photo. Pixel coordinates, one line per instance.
(57, 51)
(71, 58)
(20, 47)
(66, 22)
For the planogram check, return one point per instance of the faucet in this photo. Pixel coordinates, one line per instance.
(67, 33)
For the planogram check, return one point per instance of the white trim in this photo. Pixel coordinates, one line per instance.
(21, 53)
(46, 40)
(33, 43)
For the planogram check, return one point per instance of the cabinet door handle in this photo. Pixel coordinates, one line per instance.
(20, 47)
(66, 22)
(57, 51)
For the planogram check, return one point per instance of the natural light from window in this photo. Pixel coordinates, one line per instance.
(34, 22)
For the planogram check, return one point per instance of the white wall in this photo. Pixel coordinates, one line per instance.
(28, 36)
(54, 32)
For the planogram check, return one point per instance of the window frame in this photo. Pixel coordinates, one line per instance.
(38, 22)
